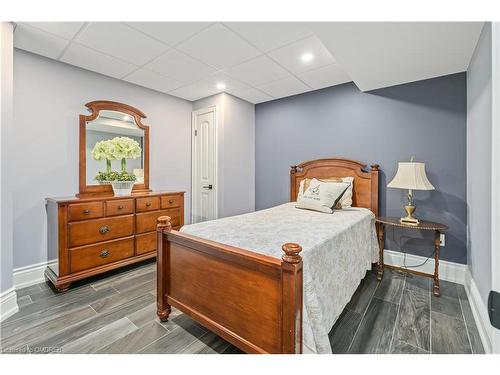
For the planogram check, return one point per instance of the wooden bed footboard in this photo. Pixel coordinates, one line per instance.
(251, 300)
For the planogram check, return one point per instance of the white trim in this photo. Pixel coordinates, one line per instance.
(480, 313)
(194, 113)
(449, 271)
(29, 275)
(495, 170)
(8, 304)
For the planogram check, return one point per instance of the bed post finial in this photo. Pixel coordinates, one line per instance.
(292, 251)
(293, 169)
(164, 223)
(374, 167)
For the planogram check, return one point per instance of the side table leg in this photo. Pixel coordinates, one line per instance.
(437, 247)
(380, 266)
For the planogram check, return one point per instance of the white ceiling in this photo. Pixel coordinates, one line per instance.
(384, 54)
(255, 61)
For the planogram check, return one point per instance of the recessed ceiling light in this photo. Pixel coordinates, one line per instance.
(220, 86)
(307, 57)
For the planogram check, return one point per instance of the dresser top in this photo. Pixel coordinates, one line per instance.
(100, 197)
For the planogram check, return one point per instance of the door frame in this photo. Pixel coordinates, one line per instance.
(193, 156)
(495, 172)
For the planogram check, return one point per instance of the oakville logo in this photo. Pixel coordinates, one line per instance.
(315, 190)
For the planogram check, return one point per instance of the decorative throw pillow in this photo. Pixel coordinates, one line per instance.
(321, 196)
(345, 200)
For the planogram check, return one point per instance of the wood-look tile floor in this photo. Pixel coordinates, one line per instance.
(115, 313)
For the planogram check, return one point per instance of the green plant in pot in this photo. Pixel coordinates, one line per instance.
(104, 150)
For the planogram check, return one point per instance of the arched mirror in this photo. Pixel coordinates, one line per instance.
(114, 145)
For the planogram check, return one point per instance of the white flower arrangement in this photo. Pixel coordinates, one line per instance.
(104, 150)
(125, 148)
(118, 148)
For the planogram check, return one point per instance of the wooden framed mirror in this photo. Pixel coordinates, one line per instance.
(107, 121)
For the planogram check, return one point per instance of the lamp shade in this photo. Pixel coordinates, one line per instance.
(411, 175)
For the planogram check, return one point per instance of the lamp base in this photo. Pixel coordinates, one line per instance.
(409, 219)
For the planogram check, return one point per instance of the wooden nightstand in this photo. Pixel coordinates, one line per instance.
(424, 225)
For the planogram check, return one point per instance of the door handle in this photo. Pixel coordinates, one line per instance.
(208, 187)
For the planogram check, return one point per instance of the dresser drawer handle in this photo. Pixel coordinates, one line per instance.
(104, 254)
(120, 207)
(86, 212)
(104, 229)
(148, 204)
(170, 201)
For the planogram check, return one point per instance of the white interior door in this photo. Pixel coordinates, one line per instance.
(204, 195)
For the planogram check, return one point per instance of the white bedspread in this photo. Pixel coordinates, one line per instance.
(338, 249)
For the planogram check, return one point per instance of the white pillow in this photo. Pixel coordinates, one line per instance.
(345, 200)
(321, 196)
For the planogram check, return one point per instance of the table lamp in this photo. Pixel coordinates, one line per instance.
(410, 175)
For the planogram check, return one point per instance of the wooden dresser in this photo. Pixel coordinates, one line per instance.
(89, 236)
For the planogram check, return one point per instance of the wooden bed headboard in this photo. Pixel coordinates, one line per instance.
(365, 187)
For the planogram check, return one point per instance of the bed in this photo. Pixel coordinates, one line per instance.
(273, 281)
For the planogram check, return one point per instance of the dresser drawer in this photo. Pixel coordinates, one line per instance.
(86, 232)
(82, 258)
(145, 243)
(83, 211)
(146, 222)
(171, 201)
(147, 204)
(119, 207)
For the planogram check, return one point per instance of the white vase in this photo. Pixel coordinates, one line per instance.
(121, 188)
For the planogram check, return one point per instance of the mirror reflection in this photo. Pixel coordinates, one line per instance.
(114, 149)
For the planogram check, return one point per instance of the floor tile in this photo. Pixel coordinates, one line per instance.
(401, 347)
(136, 340)
(92, 342)
(413, 323)
(391, 287)
(343, 331)
(448, 335)
(362, 297)
(375, 332)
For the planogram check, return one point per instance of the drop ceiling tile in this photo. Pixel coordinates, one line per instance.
(98, 62)
(290, 56)
(179, 66)
(219, 47)
(146, 78)
(193, 92)
(254, 96)
(270, 35)
(326, 76)
(66, 30)
(258, 71)
(232, 86)
(284, 87)
(170, 33)
(38, 41)
(121, 41)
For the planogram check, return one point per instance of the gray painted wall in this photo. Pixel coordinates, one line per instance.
(479, 124)
(6, 113)
(236, 153)
(48, 97)
(425, 119)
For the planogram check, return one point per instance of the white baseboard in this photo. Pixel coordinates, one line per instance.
(8, 303)
(449, 271)
(480, 312)
(29, 275)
